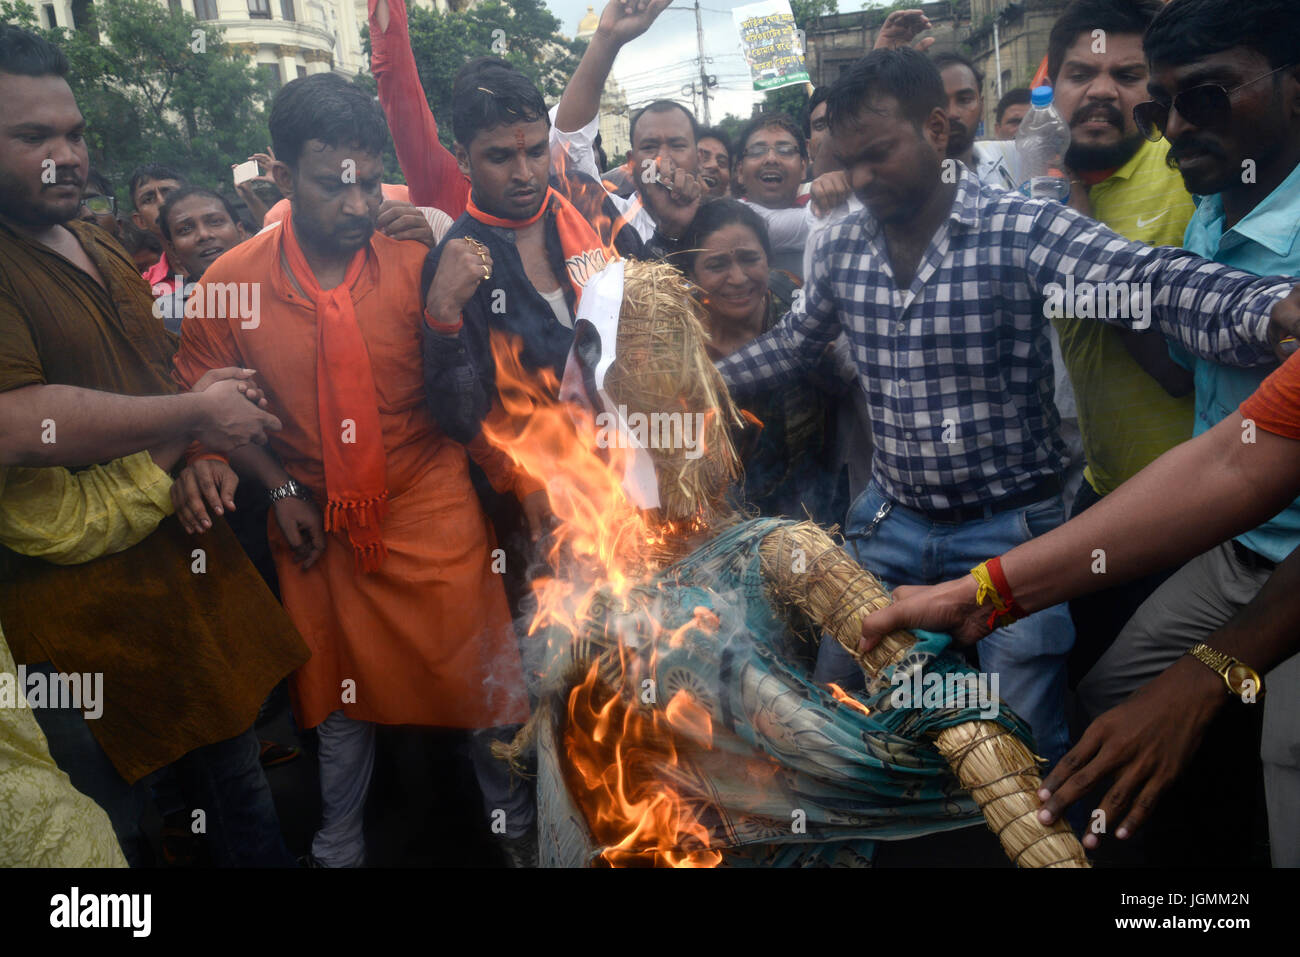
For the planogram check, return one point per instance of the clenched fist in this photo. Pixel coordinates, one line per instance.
(464, 264)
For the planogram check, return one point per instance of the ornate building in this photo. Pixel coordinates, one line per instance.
(291, 38)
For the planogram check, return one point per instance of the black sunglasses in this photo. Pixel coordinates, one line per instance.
(1206, 106)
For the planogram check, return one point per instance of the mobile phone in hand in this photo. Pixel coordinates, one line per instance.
(246, 171)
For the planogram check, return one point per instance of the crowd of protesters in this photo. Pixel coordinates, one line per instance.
(243, 439)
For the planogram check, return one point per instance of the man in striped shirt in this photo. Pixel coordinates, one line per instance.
(943, 290)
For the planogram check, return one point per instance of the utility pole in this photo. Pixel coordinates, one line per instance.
(704, 79)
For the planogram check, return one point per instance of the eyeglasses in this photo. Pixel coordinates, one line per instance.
(783, 150)
(100, 205)
(1207, 106)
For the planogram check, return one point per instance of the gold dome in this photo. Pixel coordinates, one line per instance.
(587, 25)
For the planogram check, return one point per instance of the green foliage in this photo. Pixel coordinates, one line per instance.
(731, 125)
(444, 42)
(805, 10)
(165, 88)
(788, 99)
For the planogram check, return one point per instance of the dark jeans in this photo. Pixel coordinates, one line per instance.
(225, 780)
(1101, 616)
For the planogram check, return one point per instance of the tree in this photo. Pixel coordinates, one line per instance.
(164, 88)
(731, 125)
(525, 33)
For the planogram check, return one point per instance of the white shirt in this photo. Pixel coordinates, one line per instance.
(997, 163)
(577, 150)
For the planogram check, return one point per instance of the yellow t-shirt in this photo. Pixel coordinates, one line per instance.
(1127, 419)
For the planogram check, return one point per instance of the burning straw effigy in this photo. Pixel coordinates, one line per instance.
(678, 710)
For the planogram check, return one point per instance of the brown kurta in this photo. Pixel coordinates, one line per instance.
(187, 656)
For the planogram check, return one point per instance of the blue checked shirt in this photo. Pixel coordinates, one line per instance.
(958, 368)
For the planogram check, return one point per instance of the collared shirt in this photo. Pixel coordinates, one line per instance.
(1145, 201)
(577, 151)
(997, 164)
(957, 368)
(1266, 241)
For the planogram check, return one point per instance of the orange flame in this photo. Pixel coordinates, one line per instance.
(844, 698)
(621, 755)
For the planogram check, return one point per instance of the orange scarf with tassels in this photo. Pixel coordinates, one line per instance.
(352, 443)
(584, 253)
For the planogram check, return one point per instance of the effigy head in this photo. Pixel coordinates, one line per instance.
(663, 372)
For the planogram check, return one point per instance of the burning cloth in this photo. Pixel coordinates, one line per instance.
(678, 706)
(767, 764)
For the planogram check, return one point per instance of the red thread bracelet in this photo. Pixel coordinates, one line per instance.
(999, 579)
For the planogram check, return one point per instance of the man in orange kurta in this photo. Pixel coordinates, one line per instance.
(393, 587)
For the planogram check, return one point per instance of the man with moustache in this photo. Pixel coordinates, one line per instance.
(995, 162)
(664, 157)
(381, 549)
(951, 348)
(510, 273)
(1134, 403)
(1225, 94)
(189, 643)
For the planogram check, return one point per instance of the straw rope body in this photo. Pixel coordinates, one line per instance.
(998, 770)
(662, 367)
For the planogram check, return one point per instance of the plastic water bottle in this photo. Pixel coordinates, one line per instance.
(1041, 142)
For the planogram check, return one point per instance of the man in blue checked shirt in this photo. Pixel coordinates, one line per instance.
(943, 288)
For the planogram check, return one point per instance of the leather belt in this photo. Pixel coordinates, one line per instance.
(961, 514)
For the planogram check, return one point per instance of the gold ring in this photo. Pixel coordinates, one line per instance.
(487, 273)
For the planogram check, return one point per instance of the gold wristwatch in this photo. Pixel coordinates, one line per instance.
(1235, 673)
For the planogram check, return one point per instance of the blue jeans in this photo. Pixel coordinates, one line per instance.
(225, 780)
(1029, 657)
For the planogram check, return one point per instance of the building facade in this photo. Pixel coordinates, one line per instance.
(615, 119)
(290, 38)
